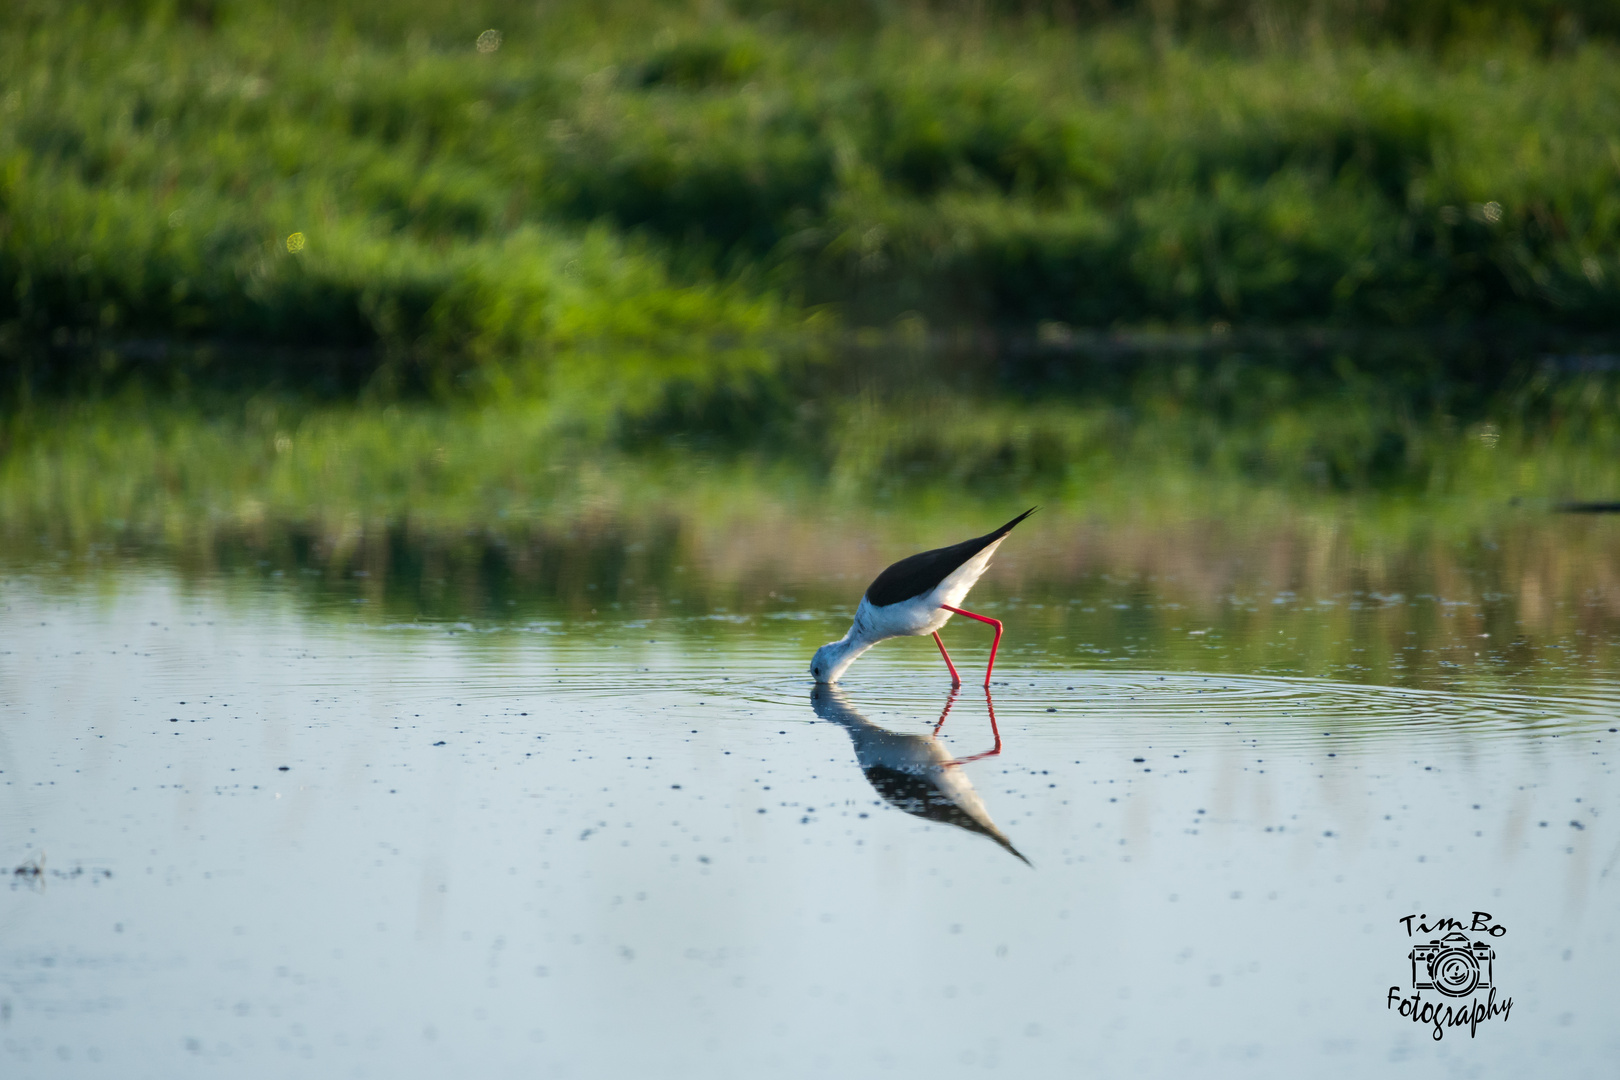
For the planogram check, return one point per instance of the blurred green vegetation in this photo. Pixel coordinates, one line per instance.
(695, 182)
(1189, 440)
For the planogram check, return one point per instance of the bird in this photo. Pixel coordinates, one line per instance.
(917, 596)
(914, 772)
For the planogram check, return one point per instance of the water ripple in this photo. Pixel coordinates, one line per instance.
(1128, 706)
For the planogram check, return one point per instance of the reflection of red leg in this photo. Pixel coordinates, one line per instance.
(984, 619)
(994, 730)
(956, 680)
(948, 703)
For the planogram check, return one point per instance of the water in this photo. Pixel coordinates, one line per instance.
(566, 805)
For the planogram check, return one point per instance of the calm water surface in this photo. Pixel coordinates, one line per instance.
(584, 816)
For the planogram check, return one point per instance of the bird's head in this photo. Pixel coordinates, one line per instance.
(834, 658)
(823, 663)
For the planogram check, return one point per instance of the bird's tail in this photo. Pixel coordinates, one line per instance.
(1007, 528)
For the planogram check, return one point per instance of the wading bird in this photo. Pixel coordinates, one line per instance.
(917, 596)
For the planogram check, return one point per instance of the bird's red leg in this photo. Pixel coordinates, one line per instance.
(984, 619)
(948, 703)
(956, 680)
(994, 730)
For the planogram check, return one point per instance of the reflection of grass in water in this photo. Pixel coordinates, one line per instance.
(1158, 520)
(1159, 451)
(75, 469)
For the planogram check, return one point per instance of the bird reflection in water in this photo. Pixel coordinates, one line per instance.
(914, 772)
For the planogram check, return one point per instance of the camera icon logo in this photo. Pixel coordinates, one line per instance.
(1453, 965)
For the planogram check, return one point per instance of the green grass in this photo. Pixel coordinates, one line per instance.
(672, 177)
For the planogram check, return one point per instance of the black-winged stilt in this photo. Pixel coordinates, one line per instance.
(916, 596)
(913, 772)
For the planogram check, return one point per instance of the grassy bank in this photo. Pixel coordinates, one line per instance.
(328, 175)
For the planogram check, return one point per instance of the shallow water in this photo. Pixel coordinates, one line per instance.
(293, 817)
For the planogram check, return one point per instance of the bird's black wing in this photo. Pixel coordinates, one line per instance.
(919, 574)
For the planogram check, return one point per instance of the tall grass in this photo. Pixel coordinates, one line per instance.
(364, 176)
